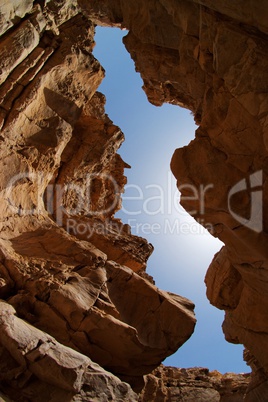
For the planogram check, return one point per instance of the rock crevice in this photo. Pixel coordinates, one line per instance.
(72, 277)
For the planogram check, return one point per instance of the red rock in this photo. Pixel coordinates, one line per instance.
(77, 285)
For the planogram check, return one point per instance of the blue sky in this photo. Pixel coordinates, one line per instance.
(183, 249)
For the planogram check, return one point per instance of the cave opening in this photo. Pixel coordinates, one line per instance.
(183, 249)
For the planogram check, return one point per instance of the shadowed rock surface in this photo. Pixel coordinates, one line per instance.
(77, 304)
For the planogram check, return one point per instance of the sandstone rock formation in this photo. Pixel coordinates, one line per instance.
(196, 384)
(212, 59)
(72, 277)
(45, 370)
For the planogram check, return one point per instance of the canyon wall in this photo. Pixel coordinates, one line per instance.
(73, 279)
(80, 319)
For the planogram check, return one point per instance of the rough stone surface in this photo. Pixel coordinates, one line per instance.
(212, 59)
(45, 370)
(170, 384)
(72, 277)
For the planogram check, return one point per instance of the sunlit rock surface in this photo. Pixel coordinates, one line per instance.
(72, 277)
(196, 384)
(212, 59)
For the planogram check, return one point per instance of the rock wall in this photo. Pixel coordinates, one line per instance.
(77, 304)
(196, 384)
(73, 279)
(212, 59)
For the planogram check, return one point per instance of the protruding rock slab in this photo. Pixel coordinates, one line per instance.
(45, 370)
(102, 309)
(212, 59)
(208, 57)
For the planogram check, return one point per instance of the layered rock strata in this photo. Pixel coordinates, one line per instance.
(212, 59)
(76, 300)
(72, 277)
(196, 384)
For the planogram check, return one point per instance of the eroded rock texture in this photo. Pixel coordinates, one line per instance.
(196, 384)
(76, 300)
(211, 57)
(72, 277)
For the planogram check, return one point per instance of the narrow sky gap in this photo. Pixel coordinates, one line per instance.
(183, 249)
